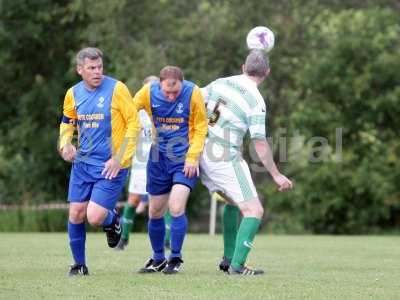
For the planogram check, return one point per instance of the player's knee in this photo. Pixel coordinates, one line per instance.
(94, 218)
(76, 215)
(176, 211)
(252, 208)
(155, 213)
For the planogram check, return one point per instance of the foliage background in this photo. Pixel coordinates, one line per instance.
(334, 67)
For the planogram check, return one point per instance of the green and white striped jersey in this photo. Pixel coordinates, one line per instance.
(234, 105)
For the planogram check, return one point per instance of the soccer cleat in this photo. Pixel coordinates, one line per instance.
(244, 270)
(153, 266)
(113, 231)
(174, 265)
(122, 244)
(76, 270)
(225, 264)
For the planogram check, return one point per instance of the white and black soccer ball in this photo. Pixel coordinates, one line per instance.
(261, 37)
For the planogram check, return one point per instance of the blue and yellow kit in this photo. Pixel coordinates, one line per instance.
(106, 120)
(107, 124)
(180, 128)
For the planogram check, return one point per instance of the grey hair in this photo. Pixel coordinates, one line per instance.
(257, 64)
(90, 53)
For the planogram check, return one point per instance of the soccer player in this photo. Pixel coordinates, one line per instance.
(236, 106)
(137, 200)
(137, 182)
(176, 107)
(102, 110)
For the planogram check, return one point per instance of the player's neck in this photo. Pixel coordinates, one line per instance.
(257, 80)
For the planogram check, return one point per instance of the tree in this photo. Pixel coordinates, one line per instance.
(349, 81)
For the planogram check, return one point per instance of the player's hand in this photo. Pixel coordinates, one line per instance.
(68, 152)
(283, 182)
(111, 168)
(191, 169)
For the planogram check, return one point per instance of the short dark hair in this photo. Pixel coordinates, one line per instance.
(89, 52)
(171, 72)
(257, 64)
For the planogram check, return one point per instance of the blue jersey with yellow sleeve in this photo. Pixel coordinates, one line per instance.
(180, 126)
(106, 120)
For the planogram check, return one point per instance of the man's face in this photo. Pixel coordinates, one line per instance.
(92, 72)
(171, 88)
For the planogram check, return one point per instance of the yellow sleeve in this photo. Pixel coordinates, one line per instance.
(197, 126)
(125, 125)
(68, 122)
(142, 99)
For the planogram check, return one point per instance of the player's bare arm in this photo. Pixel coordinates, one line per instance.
(265, 154)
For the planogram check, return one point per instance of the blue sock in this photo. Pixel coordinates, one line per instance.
(178, 231)
(77, 240)
(156, 228)
(109, 218)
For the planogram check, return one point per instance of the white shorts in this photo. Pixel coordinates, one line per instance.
(232, 178)
(137, 181)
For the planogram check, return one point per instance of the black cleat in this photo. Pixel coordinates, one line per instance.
(225, 264)
(244, 271)
(76, 270)
(113, 231)
(153, 266)
(174, 265)
(122, 244)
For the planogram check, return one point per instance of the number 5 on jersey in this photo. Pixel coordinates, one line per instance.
(216, 113)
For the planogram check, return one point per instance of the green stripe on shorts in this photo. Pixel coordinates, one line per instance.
(243, 181)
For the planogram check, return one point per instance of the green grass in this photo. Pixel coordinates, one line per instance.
(34, 266)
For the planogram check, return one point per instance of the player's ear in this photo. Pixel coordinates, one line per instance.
(79, 69)
(268, 71)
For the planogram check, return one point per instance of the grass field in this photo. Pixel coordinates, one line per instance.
(34, 266)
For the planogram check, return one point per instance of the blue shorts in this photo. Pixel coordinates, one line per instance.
(86, 183)
(163, 173)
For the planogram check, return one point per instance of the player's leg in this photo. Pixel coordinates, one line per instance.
(142, 206)
(159, 184)
(233, 178)
(230, 217)
(157, 206)
(127, 220)
(101, 208)
(217, 177)
(78, 194)
(167, 241)
(177, 205)
(179, 223)
(252, 211)
(77, 238)
(137, 187)
(156, 230)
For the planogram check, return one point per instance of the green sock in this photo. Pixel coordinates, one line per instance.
(167, 218)
(230, 228)
(244, 241)
(127, 220)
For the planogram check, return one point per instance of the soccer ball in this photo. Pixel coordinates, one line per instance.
(260, 37)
